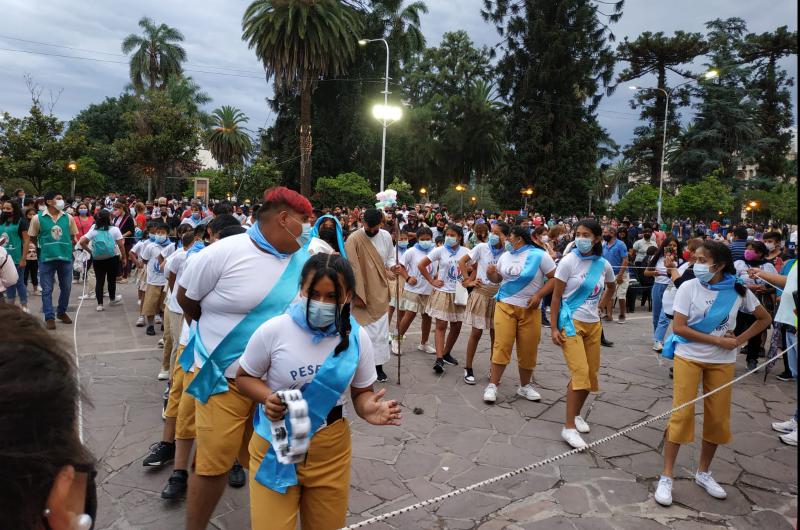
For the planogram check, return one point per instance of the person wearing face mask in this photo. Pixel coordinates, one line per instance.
(398, 285)
(442, 304)
(371, 254)
(49, 474)
(660, 269)
(582, 277)
(319, 348)
(55, 233)
(523, 272)
(414, 298)
(240, 282)
(15, 228)
(755, 258)
(616, 253)
(479, 313)
(772, 240)
(704, 346)
(153, 304)
(194, 218)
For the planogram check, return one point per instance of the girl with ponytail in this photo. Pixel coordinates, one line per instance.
(315, 347)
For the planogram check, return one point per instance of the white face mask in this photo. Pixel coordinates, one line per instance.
(59, 204)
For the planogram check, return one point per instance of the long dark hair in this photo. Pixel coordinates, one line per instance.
(721, 255)
(38, 419)
(594, 228)
(334, 267)
(523, 233)
(16, 211)
(102, 221)
(660, 252)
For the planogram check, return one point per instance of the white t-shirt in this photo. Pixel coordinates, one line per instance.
(285, 357)
(449, 272)
(669, 295)
(139, 247)
(573, 271)
(175, 264)
(483, 256)
(693, 300)
(510, 267)
(662, 278)
(742, 268)
(113, 231)
(385, 247)
(229, 278)
(785, 313)
(155, 270)
(410, 260)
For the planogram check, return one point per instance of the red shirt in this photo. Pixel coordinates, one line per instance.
(83, 225)
(141, 221)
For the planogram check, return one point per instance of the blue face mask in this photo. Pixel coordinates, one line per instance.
(493, 240)
(152, 237)
(509, 246)
(196, 216)
(161, 239)
(402, 244)
(425, 245)
(702, 272)
(305, 235)
(450, 241)
(321, 315)
(583, 244)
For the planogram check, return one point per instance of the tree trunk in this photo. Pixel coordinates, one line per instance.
(305, 136)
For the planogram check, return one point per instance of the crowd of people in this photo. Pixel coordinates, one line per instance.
(251, 300)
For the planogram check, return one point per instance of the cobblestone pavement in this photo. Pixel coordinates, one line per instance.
(457, 440)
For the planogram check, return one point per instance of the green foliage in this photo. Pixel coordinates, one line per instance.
(88, 178)
(31, 148)
(779, 204)
(227, 139)
(452, 199)
(703, 199)
(405, 194)
(346, 189)
(640, 202)
(256, 177)
(157, 54)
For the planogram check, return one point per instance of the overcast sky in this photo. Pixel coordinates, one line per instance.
(230, 73)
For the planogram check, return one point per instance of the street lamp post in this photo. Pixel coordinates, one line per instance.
(460, 189)
(72, 167)
(423, 192)
(668, 94)
(752, 207)
(385, 113)
(527, 193)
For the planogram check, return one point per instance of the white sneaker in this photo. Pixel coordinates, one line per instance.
(789, 439)
(163, 375)
(427, 348)
(85, 296)
(663, 494)
(707, 482)
(395, 347)
(100, 308)
(581, 426)
(785, 426)
(658, 346)
(572, 437)
(25, 309)
(140, 321)
(529, 393)
(158, 320)
(161, 342)
(490, 394)
(117, 300)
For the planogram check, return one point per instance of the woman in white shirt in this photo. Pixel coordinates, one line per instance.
(107, 251)
(479, 313)
(442, 304)
(666, 258)
(523, 272)
(310, 348)
(755, 257)
(414, 298)
(704, 346)
(581, 279)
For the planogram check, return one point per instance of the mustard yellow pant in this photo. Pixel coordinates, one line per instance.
(180, 404)
(516, 324)
(323, 485)
(687, 375)
(582, 354)
(224, 426)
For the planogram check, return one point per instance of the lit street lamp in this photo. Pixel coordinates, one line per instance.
(711, 74)
(423, 192)
(752, 208)
(527, 193)
(461, 189)
(72, 167)
(386, 113)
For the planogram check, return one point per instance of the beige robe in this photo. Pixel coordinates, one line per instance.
(372, 285)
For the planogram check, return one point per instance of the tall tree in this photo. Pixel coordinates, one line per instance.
(298, 41)
(157, 54)
(657, 54)
(401, 25)
(771, 85)
(556, 64)
(228, 139)
(725, 133)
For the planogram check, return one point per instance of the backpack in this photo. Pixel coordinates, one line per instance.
(103, 245)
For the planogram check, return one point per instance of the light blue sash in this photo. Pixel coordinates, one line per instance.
(529, 270)
(321, 394)
(339, 238)
(577, 299)
(186, 360)
(716, 315)
(210, 379)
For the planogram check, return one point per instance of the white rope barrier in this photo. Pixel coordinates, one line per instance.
(550, 460)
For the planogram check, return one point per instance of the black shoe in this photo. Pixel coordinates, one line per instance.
(606, 343)
(751, 364)
(545, 321)
(449, 359)
(176, 485)
(236, 476)
(151, 330)
(469, 377)
(670, 373)
(438, 366)
(785, 376)
(382, 377)
(161, 453)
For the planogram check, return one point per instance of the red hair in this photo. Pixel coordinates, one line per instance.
(284, 197)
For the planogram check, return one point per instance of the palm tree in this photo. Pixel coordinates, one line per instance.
(227, 140)
(298, 41)
(157, 54)
(401, 25)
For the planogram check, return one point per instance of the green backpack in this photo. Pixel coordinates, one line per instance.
(103, 245)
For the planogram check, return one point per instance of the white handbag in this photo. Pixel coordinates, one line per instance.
(461, 294)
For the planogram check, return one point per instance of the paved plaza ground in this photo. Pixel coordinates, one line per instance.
(456, 440)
